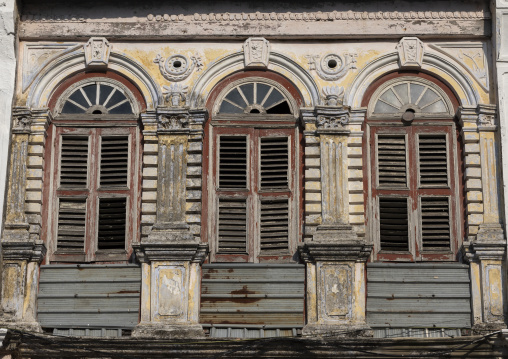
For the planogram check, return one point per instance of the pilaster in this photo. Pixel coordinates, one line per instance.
(170, 251)
(335, 256)
(485, 248)
(22, 250)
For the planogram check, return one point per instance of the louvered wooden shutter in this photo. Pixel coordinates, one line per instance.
(71, 224)
(114, 161)
(433, 160)
(274, 224)
(233, 162)
(391, 160)
(74, 161)
(274, 162)
(232, 225)
(393, 223)
(435, 223)
(112, 222)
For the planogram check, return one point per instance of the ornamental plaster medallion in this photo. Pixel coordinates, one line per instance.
(257, 52)
(332, 67)
(178, 67)
(175, 94)
(410, 52)
(97, 51)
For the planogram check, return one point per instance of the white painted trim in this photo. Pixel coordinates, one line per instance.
(71, 63)
(390, 62)
(230, 64)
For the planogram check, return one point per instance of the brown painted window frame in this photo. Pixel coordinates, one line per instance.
(414, 192)
(92, 125)
(255, 127)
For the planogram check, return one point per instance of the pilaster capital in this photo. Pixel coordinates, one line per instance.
(357, 115)
(24, 251)
(21, 120)
(180, 120)
(332, 120)
(149, 121)
(487, 117)
(467, 117)
(185, 251)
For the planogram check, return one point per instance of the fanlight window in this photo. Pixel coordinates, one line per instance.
(255, 98)
(97, 98)
(410, 94)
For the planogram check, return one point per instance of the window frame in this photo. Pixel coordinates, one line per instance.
(96, 126)
(421, 125)
(255, 126)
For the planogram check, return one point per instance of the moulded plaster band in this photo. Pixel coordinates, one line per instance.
(235, 62)
(389, 62)
(70, 63)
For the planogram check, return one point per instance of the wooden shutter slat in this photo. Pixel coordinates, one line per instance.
(391, 160)
(274, 224)
(232, 224)
(233, 162)
(74, 161)
(71, 224)
(114, 161)
(274, 162)
(393, 223)
(433, 160)
(112, 223)
(435, 223)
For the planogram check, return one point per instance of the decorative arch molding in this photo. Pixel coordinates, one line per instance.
(278, 63)
(71, 63)
(459, 82)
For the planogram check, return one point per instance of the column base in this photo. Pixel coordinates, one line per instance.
(485, 328)
(21, 326)
(168, 331)
(338, 330)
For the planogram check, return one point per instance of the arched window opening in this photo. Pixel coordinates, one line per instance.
(92, 211)
(414, 196)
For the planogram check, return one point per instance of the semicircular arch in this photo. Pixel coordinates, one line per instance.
(72, 63)
(233, 63)
(433, 64)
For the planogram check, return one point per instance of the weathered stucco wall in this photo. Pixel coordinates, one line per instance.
(7, 77)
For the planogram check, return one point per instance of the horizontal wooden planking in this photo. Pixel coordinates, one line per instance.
(82, 296)
(423, 295)
(253, 294)
(421, 320)
(81, 320)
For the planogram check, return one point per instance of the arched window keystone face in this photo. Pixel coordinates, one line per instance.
(92, 211)
(253, 140)
(415, 171)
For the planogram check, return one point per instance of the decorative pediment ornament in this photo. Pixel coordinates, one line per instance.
(256, 51)
(332, 67)
(175, 95)
(333, 95)
(410, 52)
(97, 51)
(178, 67)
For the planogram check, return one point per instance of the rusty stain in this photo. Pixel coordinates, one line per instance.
(391, 298)
(244, 291)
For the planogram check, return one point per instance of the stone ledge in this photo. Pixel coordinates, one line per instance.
(339, 330)
(166, 331)
(29, 251)
(189, 251)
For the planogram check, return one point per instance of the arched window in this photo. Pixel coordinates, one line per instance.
(253, 208)
(414, 170)
(92, 172)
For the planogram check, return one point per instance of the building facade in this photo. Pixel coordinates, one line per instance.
(254, 170)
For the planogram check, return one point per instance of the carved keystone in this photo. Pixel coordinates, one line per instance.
(257, 52)
(410, 52)
(97, 51)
